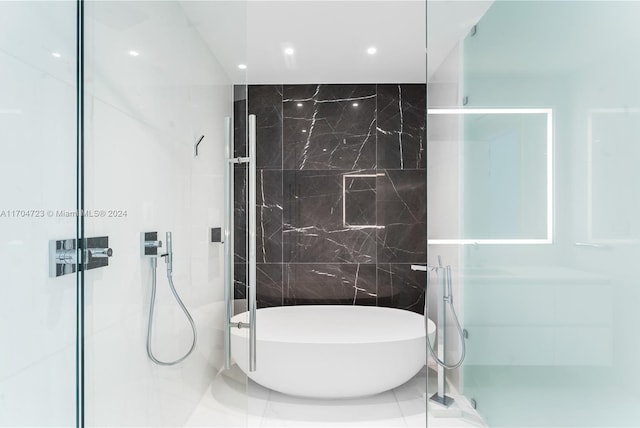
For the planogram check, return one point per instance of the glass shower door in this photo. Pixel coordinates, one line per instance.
(38, 136)
(533, 191)
(160, 79)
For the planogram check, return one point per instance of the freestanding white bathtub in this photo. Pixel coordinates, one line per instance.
(333, 351)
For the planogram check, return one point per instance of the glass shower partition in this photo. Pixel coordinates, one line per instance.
(160, 78)
(533, 191)
(38, 187)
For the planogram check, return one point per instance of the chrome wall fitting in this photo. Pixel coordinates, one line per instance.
(64, 255)
(150, 244)
(97, 252)
(197, 145)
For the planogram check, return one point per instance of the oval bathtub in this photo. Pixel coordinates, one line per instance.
(325, 351)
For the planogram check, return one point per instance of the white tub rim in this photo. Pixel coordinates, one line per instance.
(414, 330)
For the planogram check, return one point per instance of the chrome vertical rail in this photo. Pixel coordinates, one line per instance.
(251, 218)
(228, 240)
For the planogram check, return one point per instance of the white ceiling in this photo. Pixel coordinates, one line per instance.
(330, 38)
(448, 22)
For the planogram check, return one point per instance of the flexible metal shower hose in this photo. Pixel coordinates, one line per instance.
(455, 317)
(154, 265)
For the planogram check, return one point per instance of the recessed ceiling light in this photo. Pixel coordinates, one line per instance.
(56, 54)
(355, 104)
(134, 53)
(372, 50)
(242, 66)
(288, 51)
(299, 104)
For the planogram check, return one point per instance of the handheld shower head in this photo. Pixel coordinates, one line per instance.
(169, 258)
(449, 284)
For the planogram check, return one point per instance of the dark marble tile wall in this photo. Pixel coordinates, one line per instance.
(401, 126)
(269, 211)
(239, 176)
(402, 210)
(240, 213)
(329, 127)
(314, 230)
(266, 103)
(330, 283)
(240, 126)
(341, 194)
(269, 278)
(400, 287)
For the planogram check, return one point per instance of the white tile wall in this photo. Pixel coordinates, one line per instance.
(38, 139)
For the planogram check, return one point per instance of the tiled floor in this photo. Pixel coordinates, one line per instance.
(229, 403)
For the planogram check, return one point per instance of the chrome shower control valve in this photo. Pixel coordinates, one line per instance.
(64, 254)
(150, 244)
